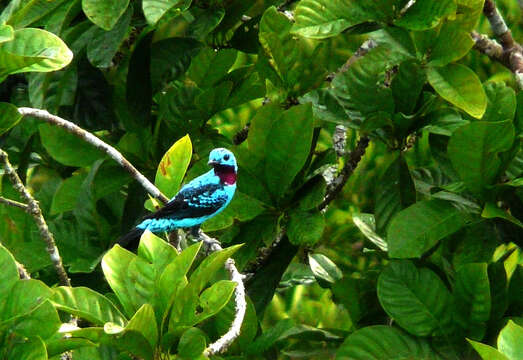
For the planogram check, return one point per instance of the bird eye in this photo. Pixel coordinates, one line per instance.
(226, 157)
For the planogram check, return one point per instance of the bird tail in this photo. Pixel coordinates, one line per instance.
(131, 239)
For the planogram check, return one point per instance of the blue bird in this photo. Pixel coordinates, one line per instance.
(197, 201)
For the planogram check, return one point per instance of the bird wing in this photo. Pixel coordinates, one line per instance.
(193, 202)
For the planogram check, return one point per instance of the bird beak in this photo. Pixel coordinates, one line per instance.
(212, 162)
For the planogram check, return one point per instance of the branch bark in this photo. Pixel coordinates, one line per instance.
(34, 210)
(96, 142)
(14, 203)
(508, 52)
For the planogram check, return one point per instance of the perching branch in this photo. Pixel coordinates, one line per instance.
(96, 142)
(222, 343)
(34, 210)
(507, 52)
(22, 272)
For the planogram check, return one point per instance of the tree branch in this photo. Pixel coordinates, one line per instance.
(96, 142)
(352, 162)
(507, 52)
(10, 202)
(22, 272)
(34, 210)
(222, 343)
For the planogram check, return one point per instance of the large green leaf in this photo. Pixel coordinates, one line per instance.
(104, 45)
(192, 344)
(9, 116)
(416, 229)
(209, 66)
(460, 86)
(288, 145)
(423, 15)
(394, 192)
(155, 9)
(42, 321)
(319, 19)
(31, 11)
(501, 102)
(473, 150)
(103, 13)
(472, 299)
(487, 352)
(87, 304)
(213, 299)
(28, 349)
(384, 342)
(33, 50)
(509, 341)
(305, 227)
(22, 298)
(9, 274)
(324, 268)
(451, 45)
(6, 33)
(415, 298)
(66, 194)
(367, 225)
(156, 251)
(173, 166)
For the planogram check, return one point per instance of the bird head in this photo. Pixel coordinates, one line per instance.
(221, 157)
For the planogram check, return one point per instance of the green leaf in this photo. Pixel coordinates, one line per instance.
(87, 304)
(103, 13)
(472, 298)
(444, 121)
(28, 349)
(155, 9)
(394, 192)
(415, 298)
(305, 227)
(509, 341)
(9, 116)
(56, 139)
(115, 264)
(6, 33)
(42, 321)
(320, 19)
(367, 225)
(324, 269)
(460, 86)
(209, 266)
(104, 45)
(487, 352)
(426, 14)
(33, 50)
(270, 336)
(209, 66)
(358, 89)
(473, 150)
(288, 143)
(66, 194)
(416, 229)
(173, 166)
(407, 85)
(23, 297)
(501, 102)
(384, 342)
(31, 11)
(144, 323)
(192, 344)
(9, 274)
(492, 211)
(156, 251)
(451, 45)
(213, 299)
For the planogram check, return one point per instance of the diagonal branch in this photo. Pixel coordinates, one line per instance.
(14, 203)
(34, 210)
(96, 142)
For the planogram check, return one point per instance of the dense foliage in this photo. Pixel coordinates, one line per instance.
(417, 256)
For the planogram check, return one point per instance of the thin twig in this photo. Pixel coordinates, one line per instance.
(362, 51)
(221, 345)
(34, 210)
(508, 52)
(347, 170)
(93, 140)
(14, 203)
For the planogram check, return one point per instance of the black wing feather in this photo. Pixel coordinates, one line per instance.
(186, 204)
